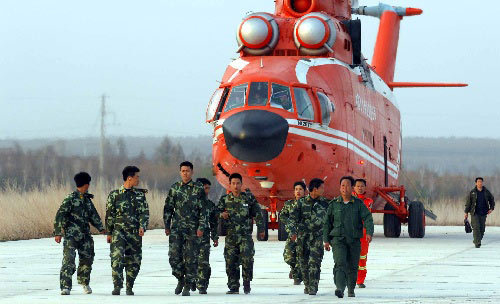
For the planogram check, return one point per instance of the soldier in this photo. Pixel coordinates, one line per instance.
(204, 269)
(290, 252)
(359, 192)
(127, 218)
(479, 203)
(238, 208)
(342, 229)
(185, 217)
(306, 220)
(72, 220)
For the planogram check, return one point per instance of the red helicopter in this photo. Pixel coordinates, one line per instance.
(302, 102)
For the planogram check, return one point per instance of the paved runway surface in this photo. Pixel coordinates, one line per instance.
(444, 267)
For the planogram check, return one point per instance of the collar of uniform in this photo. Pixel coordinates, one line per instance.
(123, 189)
(190, 183)
(339, 199)
(231, 195)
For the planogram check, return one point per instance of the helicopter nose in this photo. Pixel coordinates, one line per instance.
(255, 135)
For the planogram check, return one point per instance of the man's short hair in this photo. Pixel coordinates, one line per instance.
(479, 178)
(361, 180)
(186, 164)
(235, 175)
(204, 181)
(315, 183)
(300, 183)
(129, 171)
(350, 178)
(81, 179)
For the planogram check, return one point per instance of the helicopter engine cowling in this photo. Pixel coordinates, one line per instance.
(258, 34)
(314, 34)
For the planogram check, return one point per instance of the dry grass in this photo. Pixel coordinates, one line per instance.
(28, 215)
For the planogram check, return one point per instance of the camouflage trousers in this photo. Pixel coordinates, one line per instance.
(183, 256)
(126, 252)
(290, 257)
(310, 254)
(346, 257)
(85, 248)
(238, 250)
(204, 269)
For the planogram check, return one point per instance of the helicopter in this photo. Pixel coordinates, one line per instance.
(301, 102)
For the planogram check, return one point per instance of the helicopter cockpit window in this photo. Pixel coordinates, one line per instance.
(237, 97)
(326, 108)
(258, 95)
(281, 97)
(214, 103)
(305, 108)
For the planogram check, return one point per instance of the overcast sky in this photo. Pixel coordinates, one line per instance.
(159, 62)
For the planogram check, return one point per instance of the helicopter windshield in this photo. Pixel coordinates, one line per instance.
(237, 97)
(258, 95)
(305, 108)
(281, 97)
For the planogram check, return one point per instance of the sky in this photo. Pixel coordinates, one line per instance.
(158, 61)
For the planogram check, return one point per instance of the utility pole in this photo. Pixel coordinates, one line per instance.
(103, 138)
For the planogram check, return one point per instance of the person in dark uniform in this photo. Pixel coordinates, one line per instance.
(479, 203)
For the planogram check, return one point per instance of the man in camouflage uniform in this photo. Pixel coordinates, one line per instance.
(306, 220)
(185, 217)
(290, 252)
(343, 229)
(238, 209)
(72, 220)
(204, 270)
(127, 218)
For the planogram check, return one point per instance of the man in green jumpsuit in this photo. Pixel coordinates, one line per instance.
(238, 208)
(127, 218)
(290, 252)
(72, 220)
(306, 221)
(204, 269)
(185, 218)
(479, 203)
(342, 229)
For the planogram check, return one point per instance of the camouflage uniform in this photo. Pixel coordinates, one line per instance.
(307, 219)
(126, 212)
(290, 252)
(73, 218)
(343, 228)
(184, 213)
(204, 270)
(239, 247)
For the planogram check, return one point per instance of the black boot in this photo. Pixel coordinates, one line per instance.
(202, 290)
(246, 287)
(129, 291)
(185, 291)
(116, 291)
(193, 286)
(350, 293)
(180, 285)
(339, 293)
(233, 291)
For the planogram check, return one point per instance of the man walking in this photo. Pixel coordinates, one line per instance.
(185, 217)
(72, 221)
(127, 218)
(290, 252)
(479, 203)
(238, 208)
(306, 221)
(204, 269)
(342, 229)
(360, 192)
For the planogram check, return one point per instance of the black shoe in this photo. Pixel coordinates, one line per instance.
(339, 293)
(361, 285)
(246, 287)
(312, 291)
(233, 291)
(116, 291)
(297, 282)
(350, 293)
(478, 245)
(129, 292)
(193, 287)
(180, 285)
(306, 290)
(202, 290)
(185, 291)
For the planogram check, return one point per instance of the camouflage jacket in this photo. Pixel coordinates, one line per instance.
(74, 215)
(127, 209)
(308, 216)
(285, 212)
(186, 208)
(241, 210)
(213, 220)
(347, 220)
